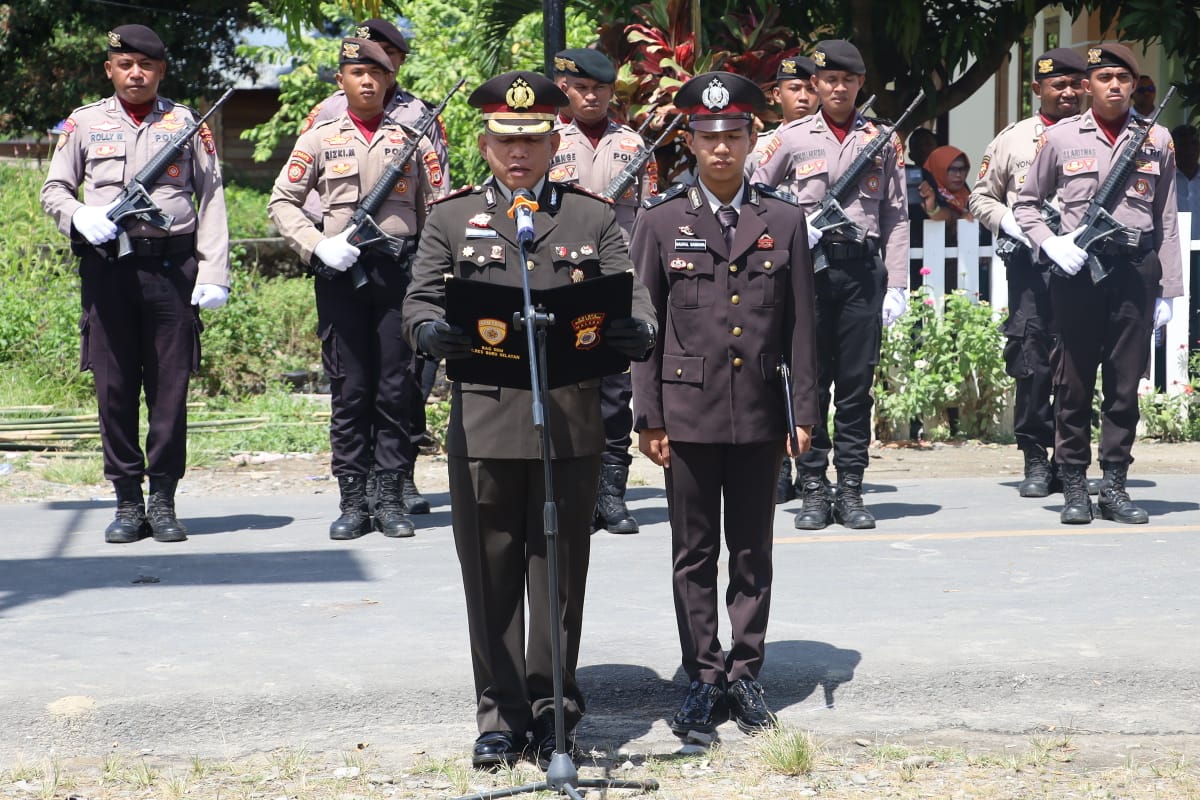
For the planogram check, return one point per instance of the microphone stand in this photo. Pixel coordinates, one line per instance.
(562, 776)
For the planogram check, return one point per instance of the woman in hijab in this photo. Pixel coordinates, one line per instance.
(947, 198)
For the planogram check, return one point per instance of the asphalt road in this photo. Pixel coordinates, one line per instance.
(968, 608)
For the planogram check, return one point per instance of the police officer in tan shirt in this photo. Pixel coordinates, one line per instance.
(1058, 85)
(1106, 324)
(140, 325)
(363, 349)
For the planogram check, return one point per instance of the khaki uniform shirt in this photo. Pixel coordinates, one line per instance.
(335, 160)
(760, 150)
(593, 167)
(101, 150)
(469, 235)
(1003, 169)
(1073, 161)
(805, 158)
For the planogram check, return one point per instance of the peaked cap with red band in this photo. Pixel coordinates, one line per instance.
(719, 101)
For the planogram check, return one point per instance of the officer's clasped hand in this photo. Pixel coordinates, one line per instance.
(93, 223)
(814, 233)
(440, 339)
(1063, 251)
(209, 295)
(632, 338)
(336, 252)
(895, 303)
(1008, 224)
(1163, 311)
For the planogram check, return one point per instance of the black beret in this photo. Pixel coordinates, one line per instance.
(582, 62)
(364, 51)
(136, 39)
(719, 101)
(838, 54)
(1112, 55)
(380, 30)
(794, 67)
(518, 103)
(1059, 61)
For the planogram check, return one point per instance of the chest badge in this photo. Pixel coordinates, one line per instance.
(576, 275)
(765, 242)
(468, 251)
(587, 250)
(497, 253)
(480, 220)
(678, 263)
(687, 230)
(340, 168)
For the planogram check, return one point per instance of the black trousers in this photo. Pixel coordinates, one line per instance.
(616, 391)
(1106, 326)
(139, 331)
(370, 366)
(496, 509)
(1029, 329)
(849, 300)
(699, 477)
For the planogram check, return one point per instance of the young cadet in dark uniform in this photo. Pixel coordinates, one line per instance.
(362, 345)
(807, 157)
(1058, 85)
(1108, 324)
(729, 270)
(140, 329)
(592, 150)
(496, 481)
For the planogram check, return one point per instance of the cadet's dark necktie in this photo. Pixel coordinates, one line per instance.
(728, 217)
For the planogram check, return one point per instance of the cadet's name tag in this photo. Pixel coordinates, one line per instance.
(691, 244)
(481, 233)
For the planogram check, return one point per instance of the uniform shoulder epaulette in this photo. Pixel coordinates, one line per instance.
(468, 189)
(779, 194)
(577, 189)
(673, 191)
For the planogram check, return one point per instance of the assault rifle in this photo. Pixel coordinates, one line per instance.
(625, 178)
(135, 203)
(1007, 245)
(364, 230)
(785, 377)
(831, 216)
(1097, 223)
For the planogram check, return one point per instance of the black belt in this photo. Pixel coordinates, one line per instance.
(1119, 246)
(157, 247)
(850, 251)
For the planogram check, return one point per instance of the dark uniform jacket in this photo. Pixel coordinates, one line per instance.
(469, 235)
(726, 318)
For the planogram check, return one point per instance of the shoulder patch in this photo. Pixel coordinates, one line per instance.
(466, 190)
(984, 164)
(778, 194)
(673, 191)
(577, 189)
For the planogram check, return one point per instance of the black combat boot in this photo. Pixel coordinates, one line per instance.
(784, 490)
(355, 520)
(1114, 500)
(1077, 507)
(848, 505)
(130, 524)
(410, 498)
(817, 511)
(389, 508)
(611, 512)
(1039, 474)
(160, 511)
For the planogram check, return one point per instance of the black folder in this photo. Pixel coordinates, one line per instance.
(576, 349)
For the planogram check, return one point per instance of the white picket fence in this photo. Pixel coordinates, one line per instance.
(969, 254)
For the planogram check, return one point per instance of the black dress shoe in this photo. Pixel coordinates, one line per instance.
(544, 742)
(747, 707)
(700, 709)
(495, 749)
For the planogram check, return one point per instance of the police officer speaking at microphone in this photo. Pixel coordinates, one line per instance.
(143, 275)
(1058, 85)
(359, 291)
(865, 281)
(593, 149)
(728, 268)
(1106, 299)
(494, 451)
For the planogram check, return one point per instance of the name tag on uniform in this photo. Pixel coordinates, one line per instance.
(480, 233)
(691, 244)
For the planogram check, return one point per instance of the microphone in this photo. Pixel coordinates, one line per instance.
(522, 209)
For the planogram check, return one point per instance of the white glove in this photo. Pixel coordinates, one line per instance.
(209, 295)
(814, 233)
(336, 252)
(1063, 251)
(93, 223)
(895, 303)
(1163, 311)
(1008, 224)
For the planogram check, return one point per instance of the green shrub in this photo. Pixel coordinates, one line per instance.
(247, 212)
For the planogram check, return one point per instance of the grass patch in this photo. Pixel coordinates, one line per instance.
(74, 471)
(787, 751)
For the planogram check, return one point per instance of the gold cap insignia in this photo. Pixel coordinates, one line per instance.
(362, 32)
(1094, 55)
(1045, 65)
(565, 65)
(819, 58)
(350, 50)
(114, 39)
(788, 66)
(519, 95)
